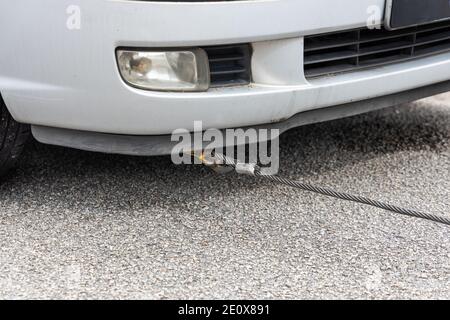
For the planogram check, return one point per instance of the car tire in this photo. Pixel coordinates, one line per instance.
(13, 136)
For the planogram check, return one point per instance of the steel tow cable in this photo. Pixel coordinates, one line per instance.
(255, 170)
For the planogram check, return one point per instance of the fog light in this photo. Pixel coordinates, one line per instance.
(184, 70)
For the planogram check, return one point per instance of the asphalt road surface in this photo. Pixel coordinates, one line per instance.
(76, 224)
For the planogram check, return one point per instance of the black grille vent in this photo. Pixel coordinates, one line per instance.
(229, 65)
(362, 48)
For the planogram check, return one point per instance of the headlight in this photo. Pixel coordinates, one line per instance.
(173, 70)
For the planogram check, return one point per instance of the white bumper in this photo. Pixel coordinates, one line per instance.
(55, 77)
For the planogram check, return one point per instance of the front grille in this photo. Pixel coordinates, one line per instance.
(353, 50)
(229, 65)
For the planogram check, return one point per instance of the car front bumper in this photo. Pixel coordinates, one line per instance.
(51, 76)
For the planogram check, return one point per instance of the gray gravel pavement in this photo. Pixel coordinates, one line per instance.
(75, 224)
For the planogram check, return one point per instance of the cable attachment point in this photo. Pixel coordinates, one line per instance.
(246, 168)
(216, 163)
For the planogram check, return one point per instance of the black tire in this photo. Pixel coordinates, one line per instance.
(13, 136)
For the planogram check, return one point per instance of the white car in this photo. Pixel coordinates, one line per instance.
(120, 76)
